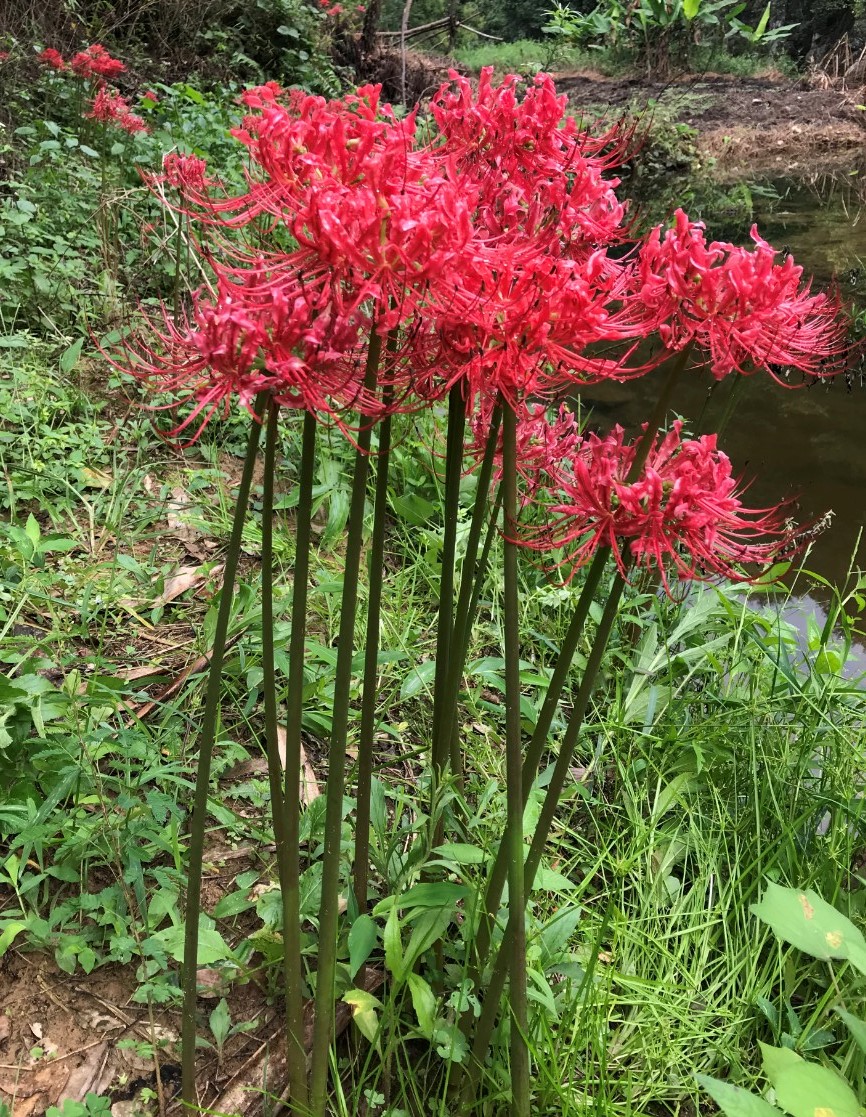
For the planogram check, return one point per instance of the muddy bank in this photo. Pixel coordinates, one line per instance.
(762, 124)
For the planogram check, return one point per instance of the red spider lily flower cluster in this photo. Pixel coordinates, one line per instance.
(96, 63)
(52, 58)
(109, 107)
(684, 511)
(490, 255)
(743, 309)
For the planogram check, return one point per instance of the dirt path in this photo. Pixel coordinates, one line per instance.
(759, 124)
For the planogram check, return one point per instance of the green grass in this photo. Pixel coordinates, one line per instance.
(527, 56)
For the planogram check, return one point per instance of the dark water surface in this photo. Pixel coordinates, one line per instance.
(806, 443)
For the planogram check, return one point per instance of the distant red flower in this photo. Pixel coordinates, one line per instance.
(109, 107)
(4, 55)
(741, 307)
(150, 96)
(542, 444)
(684, 511)
(53, 58)
(96, 62)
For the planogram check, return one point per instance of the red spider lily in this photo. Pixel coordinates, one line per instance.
(109, 107)
(53, 58)
(267, 333)
(96, 62)
(149, 95)
(529, 160)
(542, 444)
(4, 55)
(741, 307)
(684, 511)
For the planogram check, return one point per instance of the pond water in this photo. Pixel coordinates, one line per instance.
(806, 443)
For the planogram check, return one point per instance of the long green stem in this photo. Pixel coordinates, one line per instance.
(371, 676)
(468, 580)
(290, 868)
(514, 774)
(494, 986)
(538, 743)
(202, 779)
(327, 964)
(453, 472)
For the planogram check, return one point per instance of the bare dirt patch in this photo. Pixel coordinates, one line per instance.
(758, 124)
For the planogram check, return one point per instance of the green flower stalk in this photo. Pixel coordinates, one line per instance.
(366, 741)
(210, 722)
(514, 775)
(284, 788)
(328, 911)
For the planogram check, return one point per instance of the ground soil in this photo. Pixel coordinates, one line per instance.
(760, 124)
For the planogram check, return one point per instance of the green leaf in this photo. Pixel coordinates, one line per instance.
(221, 1023)
(69, 359)
(418, 679)
(691, 8)
(760, 29)
(812, 1090)
(855, 1026)
(362, 938)
(212, 947)
(806, 921)
(734, 1101)
(233, 904)
(424, 1003)
(364, 1005)
(393, 946)
(431, 894)
(461, 853)
(777, 1061)
(428, 930)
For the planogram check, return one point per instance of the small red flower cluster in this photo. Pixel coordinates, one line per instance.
(109, 107)
(52, 58)
(96, 64)
(490, 256)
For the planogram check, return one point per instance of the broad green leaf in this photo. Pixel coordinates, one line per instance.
(418, 679)
(364, 1005)
(812, 1090)
(362, 938)
(760, 29)
(691, 8)
(220, 1022)
(855, 1026)
(212, 947)
(424, 1003)
(806, 921)
(393, 946)
(428, 930)
(461, 853)
(233, 904)
(432, 894)
(69, 359)
(777, 1061)
(734, 1101)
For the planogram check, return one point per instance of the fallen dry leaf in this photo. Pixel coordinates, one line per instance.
(82, 1078)
(309, 786)
(96, 478)
(187, 578)
(36, 1029)
(145, 671)
(178, 526)
(5, 1028)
